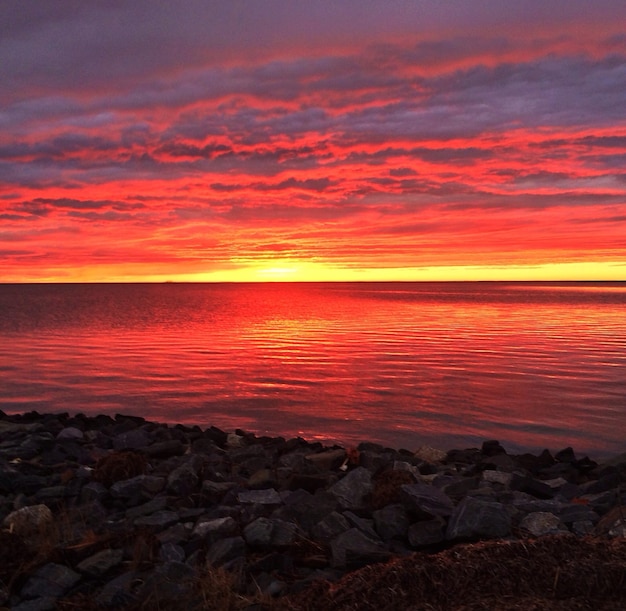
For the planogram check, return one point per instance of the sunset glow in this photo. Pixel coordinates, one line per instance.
(282, 141)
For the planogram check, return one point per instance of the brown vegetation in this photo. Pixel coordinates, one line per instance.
(118, 466)
(556, 573)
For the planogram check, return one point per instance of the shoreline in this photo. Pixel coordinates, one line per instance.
(121, 510)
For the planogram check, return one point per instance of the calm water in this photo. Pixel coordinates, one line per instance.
(533, 365)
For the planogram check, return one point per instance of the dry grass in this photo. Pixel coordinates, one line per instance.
(560, 572)
(388, 486)
(119, 466)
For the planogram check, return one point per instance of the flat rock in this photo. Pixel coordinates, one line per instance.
(540, 523)
(352, 490)
(216, 528)
(427, 499)
(426, 532)
(267, 496)
(266, 532)
(355, 547)
(225, 550)
(29, 520)
(101, 562)
(478, 519)
(50, 580)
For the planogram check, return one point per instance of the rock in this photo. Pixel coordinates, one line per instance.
(267, 496)
(363, 524)
(156, 504)
(264, 532)
(158, 520)
(93, 491)
(355, 548)
(497, 477)
(120, 591)
(391, 522)
(352, 490)
(171, 552)
(169, 583)
(613, 524)
(429, 454)
(532, 486)
(101, 562)
(50, 580)
(225, 550)
(70, 433)
(215, 529)
(214, 492)
(427, 500)
(29, 520)
(540, 523)
(492, 448)
(182, 481)
(478, 519)
(263, 478)
(165, 449)
(426, 532)
(327, 460)
(45, 603)
(330, 527)
(131, 440)
(138, 487)
(567, 456)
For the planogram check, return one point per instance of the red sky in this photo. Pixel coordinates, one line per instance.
(328, 140)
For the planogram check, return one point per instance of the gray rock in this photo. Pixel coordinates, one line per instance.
(137, 487)
(391, 522)
(352, 490)
(216, 528)
(170, 552)
(93, 491)
(426, 532)
(363, 524)
(541, 523)
(28, 520)
(120, 591)
(328, 459)
(170, 582)
(131, 440)
(165, 449)
(577, 513)
(45, 603)
(427, 499)
(101, 562)
(497, 477)
(158, 520)
(214, 492)
(268, 496)
(330, 527)
(582, 528)
(70, 433)
(182, 481)
(50, 580)
(225, 550)
(51, 493)
(478, 519)
(355, 548)
(265, 532)
(156, 504)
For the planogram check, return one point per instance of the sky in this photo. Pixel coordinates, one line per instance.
(264, 140)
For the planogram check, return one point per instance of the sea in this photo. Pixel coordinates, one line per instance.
(533, 365)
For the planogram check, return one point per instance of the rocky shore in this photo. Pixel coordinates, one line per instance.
(122, 513)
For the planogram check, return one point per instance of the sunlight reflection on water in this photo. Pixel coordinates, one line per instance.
(403, 364)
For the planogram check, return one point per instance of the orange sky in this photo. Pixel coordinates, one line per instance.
(336, 141)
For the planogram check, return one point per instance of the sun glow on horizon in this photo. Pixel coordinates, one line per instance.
(315, 272)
